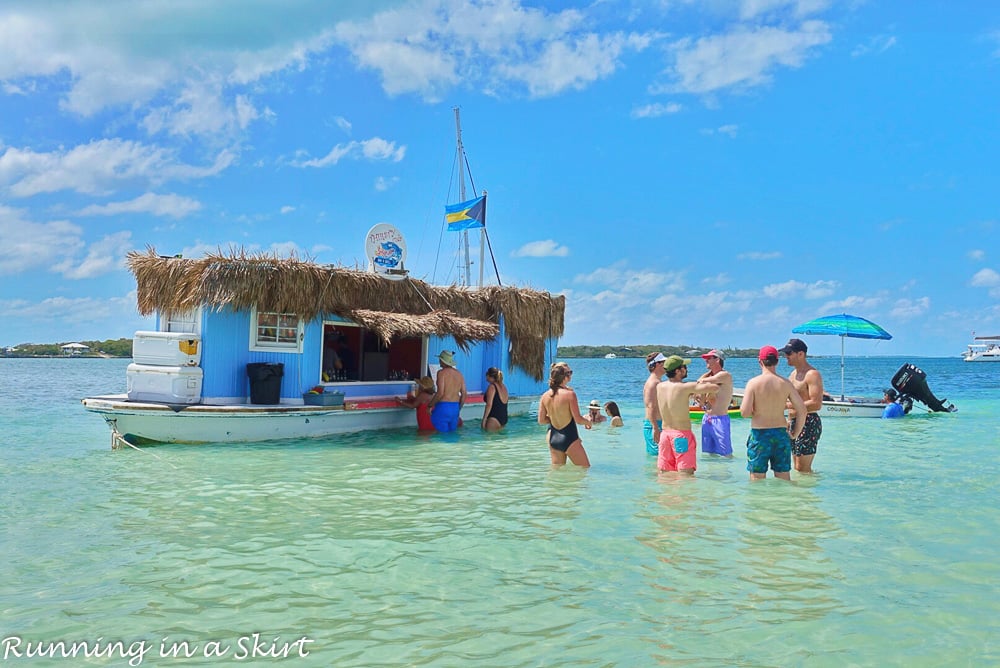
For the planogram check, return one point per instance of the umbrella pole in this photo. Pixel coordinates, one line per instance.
(842, 367)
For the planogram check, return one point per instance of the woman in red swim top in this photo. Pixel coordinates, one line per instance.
(560, 409)
(421, 401)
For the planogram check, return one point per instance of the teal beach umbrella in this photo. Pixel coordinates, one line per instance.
(843, 325)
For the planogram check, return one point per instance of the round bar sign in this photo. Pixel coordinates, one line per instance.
(386, 251)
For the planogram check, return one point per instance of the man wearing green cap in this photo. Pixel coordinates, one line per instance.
(678, 446)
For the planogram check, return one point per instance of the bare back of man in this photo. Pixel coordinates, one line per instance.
(677, 441)
(764, 403)
(450, 385)
(674, 400)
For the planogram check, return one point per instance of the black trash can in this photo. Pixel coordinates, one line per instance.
(265, 382)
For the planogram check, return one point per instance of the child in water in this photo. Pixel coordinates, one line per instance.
(420, 401)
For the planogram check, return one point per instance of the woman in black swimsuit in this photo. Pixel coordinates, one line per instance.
(559, 406)
(495, 410)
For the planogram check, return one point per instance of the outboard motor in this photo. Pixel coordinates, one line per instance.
(911, 381)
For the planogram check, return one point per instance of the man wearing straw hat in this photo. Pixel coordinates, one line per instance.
(450, 396)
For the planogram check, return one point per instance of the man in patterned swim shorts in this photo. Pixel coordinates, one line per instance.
(768, 444)
(809, 384)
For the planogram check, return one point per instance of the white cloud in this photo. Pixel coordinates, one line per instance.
(656, 110)
(201, 78)
(758, 255)
(985, 278)
(819, 289)
(782, 290)
(285, 210)
(853, 303)
(56, 247)
(743, 58)
(29, 245)
(97, 168)
(718, 280)
(633, 282)
(906, 309)
(382, 183)
(815, 290)
(572, 63)
(977, 255)
(750, 9)
(103, 256)
(875, 45)
(343, 124)
(546, 248)
(428, 47)
(372, 149)
(174, 206)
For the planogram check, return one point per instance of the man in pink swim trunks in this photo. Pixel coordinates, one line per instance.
(678, 447)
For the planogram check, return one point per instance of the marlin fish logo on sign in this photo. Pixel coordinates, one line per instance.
(386, 251)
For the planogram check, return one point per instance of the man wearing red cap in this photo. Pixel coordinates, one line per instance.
(764, 403)
(715, 428)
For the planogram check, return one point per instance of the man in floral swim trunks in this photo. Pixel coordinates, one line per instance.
(809, 384)
(764, 402)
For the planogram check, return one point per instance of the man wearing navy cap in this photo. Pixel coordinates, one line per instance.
(809, 383)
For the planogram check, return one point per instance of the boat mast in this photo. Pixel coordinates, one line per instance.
(461, 190)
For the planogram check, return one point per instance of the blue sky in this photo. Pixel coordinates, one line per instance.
(707, 173)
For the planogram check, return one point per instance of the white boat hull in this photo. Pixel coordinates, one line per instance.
(982, 357)
(246, 423)
(869, 409)
(848, 408)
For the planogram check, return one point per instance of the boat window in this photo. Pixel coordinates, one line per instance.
(275, 331)
(352, 353)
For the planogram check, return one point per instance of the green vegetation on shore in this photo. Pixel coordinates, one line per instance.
(123, 348)
(643, 350)
(108, 348)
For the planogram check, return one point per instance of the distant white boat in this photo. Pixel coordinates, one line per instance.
(983, 349)
(610, 356)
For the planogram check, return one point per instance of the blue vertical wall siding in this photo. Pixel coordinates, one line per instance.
(226, 352)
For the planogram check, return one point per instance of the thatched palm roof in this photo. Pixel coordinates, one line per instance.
(409, 307)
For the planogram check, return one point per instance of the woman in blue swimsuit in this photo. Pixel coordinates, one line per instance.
(559, 409)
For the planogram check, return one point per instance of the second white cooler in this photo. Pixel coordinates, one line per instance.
(164, 384)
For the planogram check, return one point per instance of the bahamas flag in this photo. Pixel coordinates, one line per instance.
(469, 215)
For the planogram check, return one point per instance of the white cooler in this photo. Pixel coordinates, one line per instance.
(166, 348)
(164, 384)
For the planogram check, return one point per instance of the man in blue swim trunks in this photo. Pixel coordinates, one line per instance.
(715, 428)
(447, 402)
(764, 402)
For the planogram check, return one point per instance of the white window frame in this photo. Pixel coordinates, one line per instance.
(280, 343)
(188, 321)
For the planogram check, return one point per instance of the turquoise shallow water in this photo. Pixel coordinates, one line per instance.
(393, 549)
